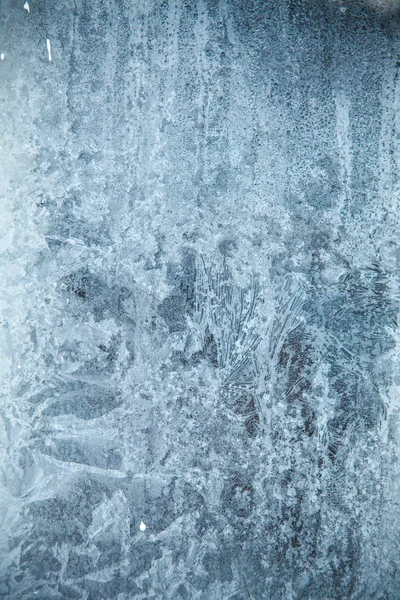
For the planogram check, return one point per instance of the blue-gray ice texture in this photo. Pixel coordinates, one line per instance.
(200, 270)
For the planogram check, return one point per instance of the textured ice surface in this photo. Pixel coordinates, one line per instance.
(200, 262)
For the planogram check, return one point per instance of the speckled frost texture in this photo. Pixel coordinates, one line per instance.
(200, 259)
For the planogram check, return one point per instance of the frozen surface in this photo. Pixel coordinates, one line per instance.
(200, 263)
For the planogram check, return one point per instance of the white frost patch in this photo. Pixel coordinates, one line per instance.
(142, 526)
(26, 7)
(49, 48)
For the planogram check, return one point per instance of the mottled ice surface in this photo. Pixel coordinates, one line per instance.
(200, 270)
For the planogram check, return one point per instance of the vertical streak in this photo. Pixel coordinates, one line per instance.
(385, 140)
(344, 146)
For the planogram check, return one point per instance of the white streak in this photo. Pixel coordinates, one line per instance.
(2, 56)
(49, 49)
(26, 7)
(388, 156)
(344, 147)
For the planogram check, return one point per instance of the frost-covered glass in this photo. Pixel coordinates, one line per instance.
(200, 268)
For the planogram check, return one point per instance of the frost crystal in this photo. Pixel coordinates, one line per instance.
(199, 298)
